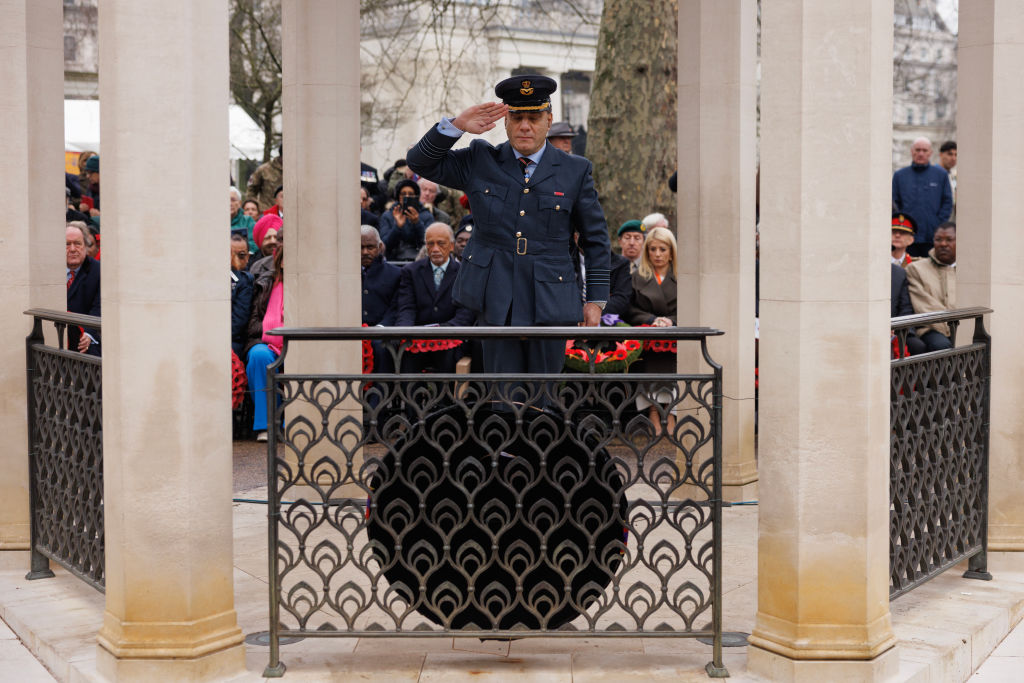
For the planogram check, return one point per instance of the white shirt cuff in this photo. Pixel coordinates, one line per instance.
(446, 127)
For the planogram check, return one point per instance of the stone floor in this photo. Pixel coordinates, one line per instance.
(948, 629)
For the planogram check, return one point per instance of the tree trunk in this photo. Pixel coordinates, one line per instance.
(632, 127)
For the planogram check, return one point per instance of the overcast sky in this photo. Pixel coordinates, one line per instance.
(947, 8)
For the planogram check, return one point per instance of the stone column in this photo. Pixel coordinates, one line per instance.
(166, 375)
(321, 190)
(990, 244)
(717, 100)
(32, 140)
(823, 544)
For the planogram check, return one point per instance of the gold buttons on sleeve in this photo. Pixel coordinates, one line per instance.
(522, 213)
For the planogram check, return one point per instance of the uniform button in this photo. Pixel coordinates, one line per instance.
(470, 257)
(366, 291)
(526, 190)
(559, 278)
(365, 313)
(519, 234)
(486, 190)
(522, 213)
(435, 308)
(557, 207)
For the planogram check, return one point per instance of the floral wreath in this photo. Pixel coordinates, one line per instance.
(616, 360)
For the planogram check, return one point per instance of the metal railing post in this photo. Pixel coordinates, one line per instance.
(977, 566)
(40, 565)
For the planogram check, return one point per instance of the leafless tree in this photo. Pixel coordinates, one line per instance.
(255, 62)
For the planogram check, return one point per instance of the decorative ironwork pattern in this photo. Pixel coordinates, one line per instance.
(939, 461)
(66, 460)
(495, 505)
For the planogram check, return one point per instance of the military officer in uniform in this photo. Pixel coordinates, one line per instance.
(528, 199)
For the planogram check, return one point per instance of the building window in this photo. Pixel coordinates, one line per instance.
(70, 49)
(575, 98)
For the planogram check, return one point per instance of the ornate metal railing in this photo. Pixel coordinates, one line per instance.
(65, 446)
(938, 472)
(494, 506)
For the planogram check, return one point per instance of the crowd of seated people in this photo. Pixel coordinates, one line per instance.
(412, 238)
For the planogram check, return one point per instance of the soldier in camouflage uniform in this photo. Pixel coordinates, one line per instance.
(265, 180)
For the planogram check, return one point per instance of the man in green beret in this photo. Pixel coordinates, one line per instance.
(631, 242)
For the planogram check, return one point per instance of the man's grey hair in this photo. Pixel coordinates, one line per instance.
(83, 228)
(655, 220)
(921, 139)
(235, 193)
(370, 230)
(451, 233)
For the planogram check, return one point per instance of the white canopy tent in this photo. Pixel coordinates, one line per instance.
(82, 130)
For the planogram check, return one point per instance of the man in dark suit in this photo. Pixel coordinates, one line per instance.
(425, 297)
(83, 281)
(528, 198)
(380, 280)
(380, 292)
(899, 304)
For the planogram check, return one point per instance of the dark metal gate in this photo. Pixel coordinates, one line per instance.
(65, 446)
(495, 506)
(938, 471)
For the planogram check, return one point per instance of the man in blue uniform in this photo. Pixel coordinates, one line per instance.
(527, 198)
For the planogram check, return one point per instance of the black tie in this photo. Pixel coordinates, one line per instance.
(525, 163)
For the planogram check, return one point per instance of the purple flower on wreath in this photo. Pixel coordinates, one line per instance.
(610, 319)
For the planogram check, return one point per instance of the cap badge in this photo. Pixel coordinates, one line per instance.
(526, 89)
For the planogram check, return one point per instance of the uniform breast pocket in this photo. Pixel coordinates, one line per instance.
(557, 297)
(554, 212)
(486, 202)
(471, 284)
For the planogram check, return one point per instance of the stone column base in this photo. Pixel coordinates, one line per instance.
(217, 666)
(15, 559)
(1005, 537)
(735, 493)
(781, 669)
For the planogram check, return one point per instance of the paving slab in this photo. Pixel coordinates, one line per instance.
(948, 629)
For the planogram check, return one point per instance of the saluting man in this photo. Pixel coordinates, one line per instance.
(528, 198)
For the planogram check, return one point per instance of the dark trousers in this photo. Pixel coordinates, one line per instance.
(936, 341)
(519, 356)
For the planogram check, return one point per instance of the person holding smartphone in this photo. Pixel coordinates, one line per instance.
(402, 228)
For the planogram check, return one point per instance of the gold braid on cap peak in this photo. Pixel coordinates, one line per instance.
(538, 107)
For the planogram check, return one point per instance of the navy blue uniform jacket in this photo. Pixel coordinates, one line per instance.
(84, 297)
(380, 292)
(419, 303)
(517, 268)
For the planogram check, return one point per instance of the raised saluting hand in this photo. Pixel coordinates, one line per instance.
(480, 118)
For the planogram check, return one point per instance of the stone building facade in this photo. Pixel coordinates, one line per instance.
(418, 66)
(924, 78)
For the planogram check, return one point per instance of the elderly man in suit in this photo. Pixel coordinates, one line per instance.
(528, 198)
(83, 280)
(425, 297)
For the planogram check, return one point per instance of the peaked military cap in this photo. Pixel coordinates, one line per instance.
(902, 221)
(561, 129)
(529, 92)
